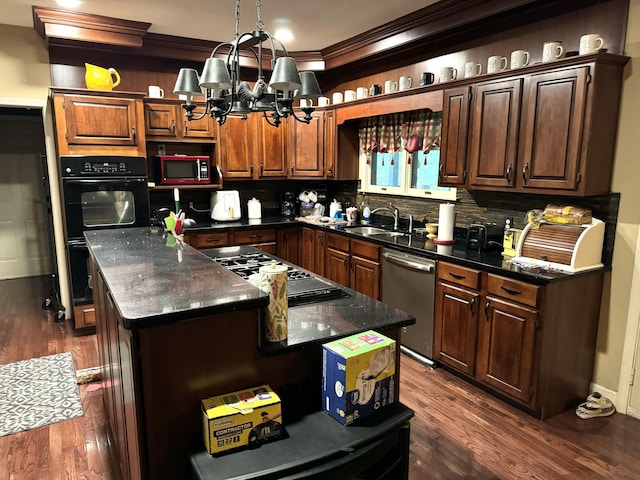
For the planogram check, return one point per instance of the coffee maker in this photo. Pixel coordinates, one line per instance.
(288, 206)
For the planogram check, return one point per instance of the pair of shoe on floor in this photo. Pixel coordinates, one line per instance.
(595, 406)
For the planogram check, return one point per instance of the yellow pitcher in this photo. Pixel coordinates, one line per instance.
(98, 78)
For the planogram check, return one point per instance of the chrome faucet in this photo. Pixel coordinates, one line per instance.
(391, 209)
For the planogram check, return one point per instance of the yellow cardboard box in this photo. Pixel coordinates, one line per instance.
(246, 418)
(358, 375)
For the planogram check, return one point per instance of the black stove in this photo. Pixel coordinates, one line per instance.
(303, 287)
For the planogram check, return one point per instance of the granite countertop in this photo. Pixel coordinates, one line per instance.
(490, 261)
(154, 281)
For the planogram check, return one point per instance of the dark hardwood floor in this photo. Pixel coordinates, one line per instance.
(458, 432)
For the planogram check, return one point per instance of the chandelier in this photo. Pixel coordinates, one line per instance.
(226, 95)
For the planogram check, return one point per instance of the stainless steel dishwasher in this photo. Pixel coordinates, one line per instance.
(408, 283)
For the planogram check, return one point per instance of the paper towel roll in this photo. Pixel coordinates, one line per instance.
(446, 221)
(274, 281)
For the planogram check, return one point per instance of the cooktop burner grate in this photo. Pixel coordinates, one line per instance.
(247, 265)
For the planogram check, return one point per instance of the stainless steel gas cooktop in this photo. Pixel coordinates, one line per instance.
(303, 287)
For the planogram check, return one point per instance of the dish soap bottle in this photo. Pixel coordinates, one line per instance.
(366, 211)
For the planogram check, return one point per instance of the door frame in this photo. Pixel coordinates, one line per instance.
(56, 205)
(631, 342)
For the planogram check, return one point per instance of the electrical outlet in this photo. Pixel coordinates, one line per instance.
(161, 149)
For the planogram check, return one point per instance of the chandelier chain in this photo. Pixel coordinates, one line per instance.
(259, 22)
(237, 33)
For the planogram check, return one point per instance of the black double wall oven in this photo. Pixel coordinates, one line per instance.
(99, 192)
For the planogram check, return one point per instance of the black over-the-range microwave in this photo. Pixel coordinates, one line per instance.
(183, 169)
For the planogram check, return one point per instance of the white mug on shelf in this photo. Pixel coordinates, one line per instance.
(404, 83)
(590, 43)
(447, 74)
(390, 86)
(519, 58)
(349, 95)
(155, 91)
(552, 51)
(496, 63)
(323, 101)
(362, 92)
(472, 69)
(337, 97)
(306, 103)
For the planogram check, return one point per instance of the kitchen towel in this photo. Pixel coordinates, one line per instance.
(274, 281)
(446, 221)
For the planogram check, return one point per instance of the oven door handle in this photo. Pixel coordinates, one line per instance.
(103, 181)
(77, 244)
(402, 262)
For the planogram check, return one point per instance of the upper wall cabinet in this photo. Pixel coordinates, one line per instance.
(165, 121)
(306, 147)
(252, 149)
(98, 123)
(550, 130)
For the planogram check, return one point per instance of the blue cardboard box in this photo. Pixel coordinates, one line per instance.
(358, 375)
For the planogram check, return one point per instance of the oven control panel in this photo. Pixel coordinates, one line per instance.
(102, 166)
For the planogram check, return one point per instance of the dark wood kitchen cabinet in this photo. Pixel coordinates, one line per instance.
(530, 344)
(493, 136)
(305, 147)
(165, 121)
(288, 245)
(457, 309)
(98, 123)
(262, 238)
(550, 129)
(312, 250)
(453, 147)
(253, 149)
(353, 263)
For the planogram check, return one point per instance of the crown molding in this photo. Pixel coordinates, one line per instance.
(424, 30)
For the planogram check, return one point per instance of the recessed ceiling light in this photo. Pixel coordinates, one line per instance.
(69, 3)
(284, 35)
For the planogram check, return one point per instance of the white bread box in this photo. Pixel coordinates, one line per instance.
(562, 247)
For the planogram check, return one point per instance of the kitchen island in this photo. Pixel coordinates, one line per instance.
(175, 327)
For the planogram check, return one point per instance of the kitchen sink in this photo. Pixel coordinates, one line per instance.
(387, 234)
(363, 230)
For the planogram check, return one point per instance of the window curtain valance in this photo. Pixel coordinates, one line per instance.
(417, 130)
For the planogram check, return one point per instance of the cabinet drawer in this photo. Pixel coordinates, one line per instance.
(338, 242)
(365, 249)
(248, 237)
(515, 290)
(210, 240)
(459, 275)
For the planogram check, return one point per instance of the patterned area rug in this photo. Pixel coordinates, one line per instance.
(38, 392)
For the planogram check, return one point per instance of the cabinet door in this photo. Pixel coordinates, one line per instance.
(336, 266)
(237, 151)
(85, 122)
(319, 251)
(306, 147)
(456, 327)
(288, 245)
(507, 348)
(161, 120)
(330, 144)
(453, 147)
(202, 128)
(553, 122)
(272, 160)
(493, 135)
(365, 276)
(307, 249)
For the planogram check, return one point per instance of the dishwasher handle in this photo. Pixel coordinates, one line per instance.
(403, 262)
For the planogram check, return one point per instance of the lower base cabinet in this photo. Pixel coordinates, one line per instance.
(353, 263)
(84, 318)
(533, 345)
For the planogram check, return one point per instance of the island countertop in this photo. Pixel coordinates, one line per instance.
(155, 280)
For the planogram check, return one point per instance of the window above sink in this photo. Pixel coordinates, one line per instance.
(400, 155)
